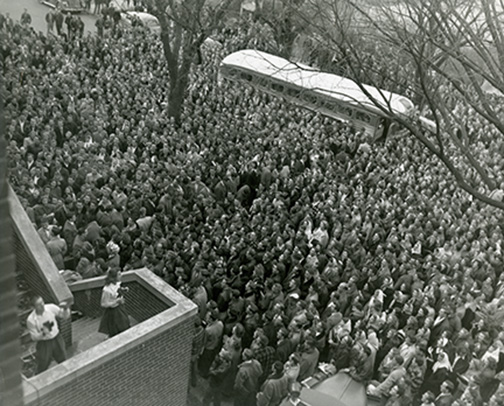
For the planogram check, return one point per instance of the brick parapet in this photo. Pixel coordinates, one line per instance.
(147, 364)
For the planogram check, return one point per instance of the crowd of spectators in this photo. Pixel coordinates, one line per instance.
(300, 240)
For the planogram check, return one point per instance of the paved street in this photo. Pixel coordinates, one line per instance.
(38, 12)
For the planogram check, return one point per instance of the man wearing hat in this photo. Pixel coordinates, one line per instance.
(247, 379)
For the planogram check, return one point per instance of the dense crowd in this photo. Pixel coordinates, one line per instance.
(300, 241)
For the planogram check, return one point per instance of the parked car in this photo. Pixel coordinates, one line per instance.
(337, 390)
(130, 18)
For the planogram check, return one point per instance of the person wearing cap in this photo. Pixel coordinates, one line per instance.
(246, 383)
(275, 388)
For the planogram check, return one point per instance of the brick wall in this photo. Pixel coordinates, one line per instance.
(140, 303)
(10, 363)
(26, 267)
(88, 302)
(36, 267)
(153, 373)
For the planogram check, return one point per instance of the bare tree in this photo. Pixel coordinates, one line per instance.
(184, 25)
(450, 53)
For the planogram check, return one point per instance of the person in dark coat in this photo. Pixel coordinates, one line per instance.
(69, 21)
(50, 22)
(93, 232)
(309, 360)
(275, 388)
(342, 353)
(58, 20)
(247, 378)
(220, 369)
(213, 341)
(57, 248)
(79, 27)
(284, 346)
(441, 371)
(25, 18)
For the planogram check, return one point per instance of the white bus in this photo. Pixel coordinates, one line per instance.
(331, 95)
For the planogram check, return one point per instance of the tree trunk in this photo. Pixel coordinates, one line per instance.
(175, 103)
(178, 90)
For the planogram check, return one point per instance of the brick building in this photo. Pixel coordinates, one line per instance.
(10, 362)
(148, 364)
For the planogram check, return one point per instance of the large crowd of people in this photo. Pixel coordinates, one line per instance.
(300, 240)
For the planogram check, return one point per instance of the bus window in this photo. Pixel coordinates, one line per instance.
(359, 115)
(276, 87)
(232, 72)
(326, 104)
(333, 106)
(293, 92)
(246, 76)
(261, 81)
(347, 111)
(311, 98)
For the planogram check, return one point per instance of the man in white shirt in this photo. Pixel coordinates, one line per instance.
(43, 328)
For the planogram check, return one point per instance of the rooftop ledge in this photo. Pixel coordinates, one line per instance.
(80, 364)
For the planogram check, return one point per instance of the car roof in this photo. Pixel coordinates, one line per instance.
(142, 16)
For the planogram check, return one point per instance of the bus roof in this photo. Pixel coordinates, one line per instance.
(327, 84)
